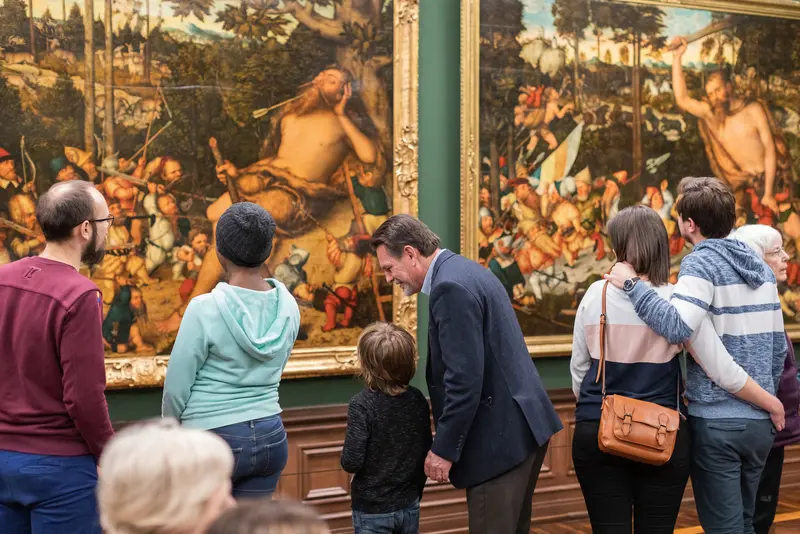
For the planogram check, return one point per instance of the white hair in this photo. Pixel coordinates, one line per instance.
(157, 477)
(759, 237)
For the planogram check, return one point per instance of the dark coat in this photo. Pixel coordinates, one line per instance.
(489, 405)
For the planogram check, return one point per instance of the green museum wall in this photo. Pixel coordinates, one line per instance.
(439, 207)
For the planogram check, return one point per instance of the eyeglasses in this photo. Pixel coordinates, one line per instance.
(109, 219)
(779, 252)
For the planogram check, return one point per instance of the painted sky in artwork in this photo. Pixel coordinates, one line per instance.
(538, 19)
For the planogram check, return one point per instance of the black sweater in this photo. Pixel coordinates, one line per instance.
(387, 440)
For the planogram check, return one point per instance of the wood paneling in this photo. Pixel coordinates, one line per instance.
(314, 476)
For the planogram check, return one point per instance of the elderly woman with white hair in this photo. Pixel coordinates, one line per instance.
(768, 243)
(161, 478)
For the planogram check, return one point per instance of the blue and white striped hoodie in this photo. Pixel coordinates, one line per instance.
(726, 280)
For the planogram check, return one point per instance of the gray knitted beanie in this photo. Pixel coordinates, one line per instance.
(244, 234)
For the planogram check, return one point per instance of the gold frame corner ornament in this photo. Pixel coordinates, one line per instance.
(558, 345)
(127, 372)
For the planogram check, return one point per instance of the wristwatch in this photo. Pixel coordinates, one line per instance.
(629, 284)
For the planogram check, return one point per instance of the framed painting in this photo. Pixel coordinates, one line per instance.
(177, 109)
(575, 109)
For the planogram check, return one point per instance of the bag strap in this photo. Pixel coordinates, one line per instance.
(601, 368)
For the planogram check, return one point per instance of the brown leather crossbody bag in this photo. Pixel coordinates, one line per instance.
(634, 429)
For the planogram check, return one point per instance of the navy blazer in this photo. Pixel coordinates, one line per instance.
(490, 408)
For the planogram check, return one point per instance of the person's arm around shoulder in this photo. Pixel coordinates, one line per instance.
(676, 319)
(354, 450)
(459, 321)
(83, 371)
(188, 355)
(709, 352)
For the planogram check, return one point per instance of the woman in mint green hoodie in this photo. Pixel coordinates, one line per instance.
(232, 346)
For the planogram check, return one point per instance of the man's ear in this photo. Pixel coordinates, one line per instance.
(410, 252)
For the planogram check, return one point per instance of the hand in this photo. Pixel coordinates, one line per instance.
(768, 201)
(776, 413)
(678, 52)
(619, 273)
(225, 170)
(437, 468)
(340, 106)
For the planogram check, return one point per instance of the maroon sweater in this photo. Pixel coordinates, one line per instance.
(52, 371)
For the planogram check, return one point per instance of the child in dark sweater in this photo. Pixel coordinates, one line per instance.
(388, 435)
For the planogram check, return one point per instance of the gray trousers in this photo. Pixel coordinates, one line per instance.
(503, 504)
(728, 457)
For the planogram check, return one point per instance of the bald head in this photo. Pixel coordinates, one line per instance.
(66, 205)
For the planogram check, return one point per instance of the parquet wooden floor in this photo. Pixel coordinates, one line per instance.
(787, 520)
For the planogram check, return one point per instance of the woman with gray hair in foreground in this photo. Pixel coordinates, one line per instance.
(161, 478)
(768, 243)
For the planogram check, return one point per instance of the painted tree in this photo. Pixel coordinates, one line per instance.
(89, 76)
(641, 27)
(13, 20)
(571, 20)
(73, 33)
(357, 29)
(770, 47)
(501, 24)
(600, 18)
(32, 27)
(108, 93)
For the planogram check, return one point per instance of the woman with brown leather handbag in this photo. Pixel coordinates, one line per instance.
(631, 446)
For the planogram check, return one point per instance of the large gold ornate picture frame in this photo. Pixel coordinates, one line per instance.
(174, 110)
(308, 362)
(553, 142)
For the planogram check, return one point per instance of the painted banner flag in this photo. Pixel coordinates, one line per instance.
(559, 163)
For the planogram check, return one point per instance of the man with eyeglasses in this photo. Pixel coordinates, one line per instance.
(54, 418)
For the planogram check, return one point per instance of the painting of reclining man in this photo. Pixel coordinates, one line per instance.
(588, 107)
(177, 109)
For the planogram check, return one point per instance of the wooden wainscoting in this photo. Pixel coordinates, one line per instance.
(313, 474)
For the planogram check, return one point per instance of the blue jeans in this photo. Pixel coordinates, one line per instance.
(404, 521)
(48, 494)
(260, 451)
(728, 457)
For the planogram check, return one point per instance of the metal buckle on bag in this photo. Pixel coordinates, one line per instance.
(627, 421)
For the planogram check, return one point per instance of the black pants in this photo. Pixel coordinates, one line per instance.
(624, 496)
(767, 496)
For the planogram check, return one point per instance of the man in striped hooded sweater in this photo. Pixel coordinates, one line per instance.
(726, 280)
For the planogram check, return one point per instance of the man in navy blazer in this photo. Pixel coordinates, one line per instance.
(492, 414)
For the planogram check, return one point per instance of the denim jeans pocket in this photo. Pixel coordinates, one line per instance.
(373, 523)
(43, 467)
(275, 454)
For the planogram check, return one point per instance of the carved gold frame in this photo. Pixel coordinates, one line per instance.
(559, 345)
(149, 371)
